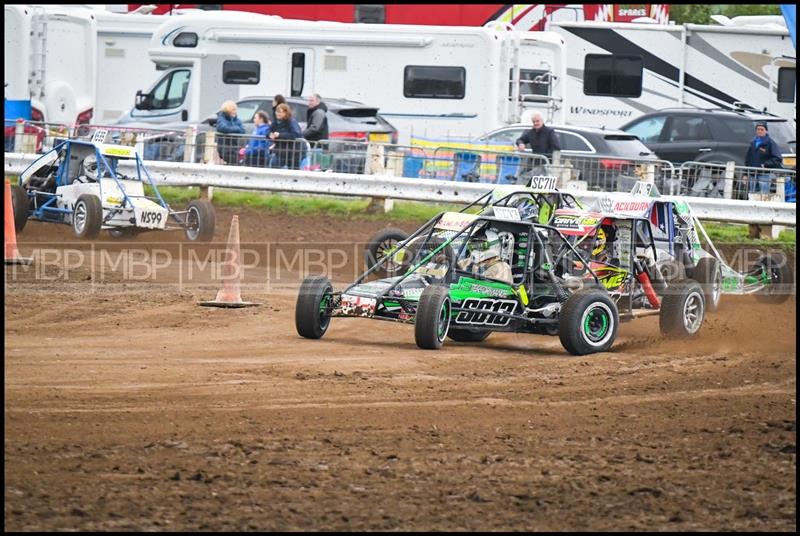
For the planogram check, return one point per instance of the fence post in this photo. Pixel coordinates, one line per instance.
(210, 149)
(19, 133)
(189, 150)
(140, 144)
(728, 177)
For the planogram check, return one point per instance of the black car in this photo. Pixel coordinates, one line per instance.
(610, 153)
(713, 135)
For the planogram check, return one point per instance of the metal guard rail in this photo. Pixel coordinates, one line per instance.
(385, 186)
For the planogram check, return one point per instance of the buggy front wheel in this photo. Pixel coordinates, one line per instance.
(588, 322)
(682, 309)
(432, 320)
(201, 220)
(87, 216)
(311, 312)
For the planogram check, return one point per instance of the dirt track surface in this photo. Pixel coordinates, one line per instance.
(128, 407)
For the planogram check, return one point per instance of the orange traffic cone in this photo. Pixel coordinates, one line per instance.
(230, 295)
(12, 255)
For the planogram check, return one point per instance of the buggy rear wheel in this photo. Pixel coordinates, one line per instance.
(432, 320)
(465, 335)
(311, 312)
(709, 274)
(778, 276)
(123, 233)
(201, 220)
(682, 309)
(381, 244)
(588, 322)
(87, 216)
(21, 205)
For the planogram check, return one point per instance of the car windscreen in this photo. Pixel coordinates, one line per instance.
(783, 133)
(625, 145)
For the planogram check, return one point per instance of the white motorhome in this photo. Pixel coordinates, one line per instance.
(76, 64)
(122, 61)
(618, 71)
(50, 60)
(427, 80)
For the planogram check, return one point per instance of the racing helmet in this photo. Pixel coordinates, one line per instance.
(90, 167)
(599, 242)
(526, 207)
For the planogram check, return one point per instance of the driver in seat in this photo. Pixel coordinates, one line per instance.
(483, 257)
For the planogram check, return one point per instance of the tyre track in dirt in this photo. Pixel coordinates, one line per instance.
(128, 407)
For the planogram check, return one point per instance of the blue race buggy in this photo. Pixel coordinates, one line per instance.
(78, 183)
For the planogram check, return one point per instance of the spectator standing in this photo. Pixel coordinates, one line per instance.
(287, 151)
(541, 139)
(762, 153)
(316, 120)
(228, 123)
(255, 154)
(276, 100)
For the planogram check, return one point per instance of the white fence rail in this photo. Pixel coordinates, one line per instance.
(283, 180)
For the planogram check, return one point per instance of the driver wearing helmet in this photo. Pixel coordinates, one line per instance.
(602, 246)
(88, 169)
(483, 257)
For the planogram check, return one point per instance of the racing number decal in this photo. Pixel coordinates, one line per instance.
(486, 318)
(151, 217)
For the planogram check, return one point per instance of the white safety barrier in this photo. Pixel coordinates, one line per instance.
(284, 180)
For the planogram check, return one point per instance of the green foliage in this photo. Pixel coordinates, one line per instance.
(701, 13)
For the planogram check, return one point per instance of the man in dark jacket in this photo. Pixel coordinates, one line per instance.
(541, 139)
(762, 153)
(316, 120)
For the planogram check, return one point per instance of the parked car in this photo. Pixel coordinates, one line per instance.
(713, 135)
(348, 122)
(346, 119)
(619, 151)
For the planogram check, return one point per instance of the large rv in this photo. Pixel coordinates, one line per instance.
(75, 64)
(426, 80)
(619, 71)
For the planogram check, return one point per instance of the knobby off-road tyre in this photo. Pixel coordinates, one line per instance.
(376, 249)
(708, 273)
(87, 216)
(464, 335)
(432, 321)
(682, 309)
(310, 319)
(201, 219)
(781, 279)
(588, 322)
(21, 206)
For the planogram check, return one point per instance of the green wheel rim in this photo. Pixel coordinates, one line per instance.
(596, 324)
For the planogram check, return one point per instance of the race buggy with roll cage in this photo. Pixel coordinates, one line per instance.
(466, 275)
(78, 183)
(536, 203)
(676, 232)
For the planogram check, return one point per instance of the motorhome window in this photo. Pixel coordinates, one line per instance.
(171, 91)
(241, 72)
(185, 40)
(370, 13)
(612, 76)
(434, 82)
(787, 80)
(648, 130)
(298, 73)
(531, 82)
